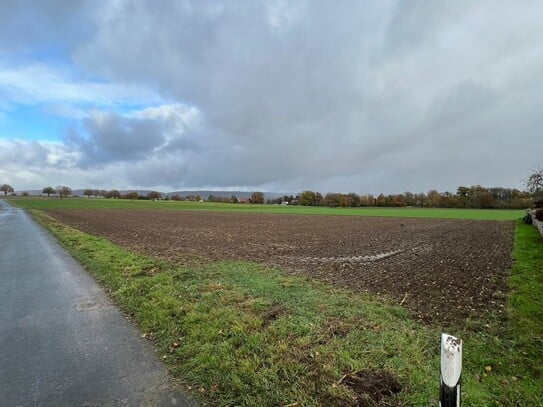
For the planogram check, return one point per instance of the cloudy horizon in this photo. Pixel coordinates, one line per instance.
(370, 97)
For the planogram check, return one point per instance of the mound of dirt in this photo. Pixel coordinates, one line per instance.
(373, 387)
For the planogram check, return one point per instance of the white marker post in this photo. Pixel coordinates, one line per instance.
(451, 371)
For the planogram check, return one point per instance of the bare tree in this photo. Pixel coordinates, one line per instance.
(64, 192)
(131, 195)
(88, 192)
(5, 188)
(154, 195)
(534, 183)
(115, 194)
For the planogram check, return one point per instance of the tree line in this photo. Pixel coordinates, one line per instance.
(63, 192)
(476, 196)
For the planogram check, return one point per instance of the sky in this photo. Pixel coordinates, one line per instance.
(350, 96)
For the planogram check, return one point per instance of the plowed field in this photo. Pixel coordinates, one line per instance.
(443, 271)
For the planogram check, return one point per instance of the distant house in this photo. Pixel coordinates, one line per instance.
(245, 200)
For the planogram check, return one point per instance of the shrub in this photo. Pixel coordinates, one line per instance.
(538, 204)
(539, 214)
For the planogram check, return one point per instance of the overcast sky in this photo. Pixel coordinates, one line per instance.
(363, 96)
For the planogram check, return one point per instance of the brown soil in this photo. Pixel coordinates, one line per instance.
(373, 387)
(444, 271)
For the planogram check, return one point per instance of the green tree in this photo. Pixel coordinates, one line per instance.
(5, 188)
(48, 191)
(353, 200)
(364, 200)
(463, 194)
(307, 198)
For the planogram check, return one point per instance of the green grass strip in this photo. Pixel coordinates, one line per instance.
(526, 300)
(243, 334)
(86, 203)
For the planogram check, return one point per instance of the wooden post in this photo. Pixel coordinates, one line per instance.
(451, 371)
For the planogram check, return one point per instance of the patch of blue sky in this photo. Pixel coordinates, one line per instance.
(50, 54)
(31, 123)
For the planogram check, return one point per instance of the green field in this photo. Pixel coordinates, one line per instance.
(86, 203)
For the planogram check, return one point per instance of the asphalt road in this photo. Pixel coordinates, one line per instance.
(62, 342)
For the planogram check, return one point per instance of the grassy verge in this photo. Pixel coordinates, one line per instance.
(85, 203)
(239, 333)
(510, 346)
(527, 298)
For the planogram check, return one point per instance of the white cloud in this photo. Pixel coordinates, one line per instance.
(36, 155)
(42, 84)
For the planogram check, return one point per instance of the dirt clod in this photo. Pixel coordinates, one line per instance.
(273, 313)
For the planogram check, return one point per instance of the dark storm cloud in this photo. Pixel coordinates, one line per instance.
(108, 137)
(325, 90)
(365, 96)
(113, 137)
(286, 87)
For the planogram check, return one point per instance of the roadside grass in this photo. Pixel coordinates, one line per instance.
(45, 203)
(239, 333)
(510, 346)
(526, 300)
